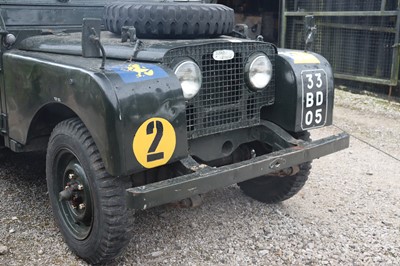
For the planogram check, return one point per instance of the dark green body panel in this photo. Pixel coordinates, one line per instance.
(150, 50)
(107, 106)
(140, 101)
(286, 112)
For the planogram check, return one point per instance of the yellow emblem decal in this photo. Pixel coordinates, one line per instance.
(140, 70)
(302, 57)
(134, 72)
(154, 142)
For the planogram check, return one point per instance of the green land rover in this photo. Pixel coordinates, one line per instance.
(143, 103)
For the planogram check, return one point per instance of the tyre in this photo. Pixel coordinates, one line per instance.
(170, 20)
(88, 204)
(274, 189)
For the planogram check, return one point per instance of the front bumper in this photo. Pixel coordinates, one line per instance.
(204, 178)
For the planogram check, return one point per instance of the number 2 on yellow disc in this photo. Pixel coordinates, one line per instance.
(154, 142)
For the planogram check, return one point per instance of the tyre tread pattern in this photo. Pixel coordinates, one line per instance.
(170, 20)
(112, 201)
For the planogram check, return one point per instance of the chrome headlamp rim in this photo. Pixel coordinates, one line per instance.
(249, 67)
(192, 87)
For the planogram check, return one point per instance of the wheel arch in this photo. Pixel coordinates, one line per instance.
(48, 92)
(43, 123)
(48, 117)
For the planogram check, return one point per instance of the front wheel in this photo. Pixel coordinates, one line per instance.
(274, 189)
(88, 204)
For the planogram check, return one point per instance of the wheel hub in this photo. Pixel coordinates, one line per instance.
(75, 199)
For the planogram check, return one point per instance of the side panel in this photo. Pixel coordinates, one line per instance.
(113, 105)
(31, 83)
(304, 91)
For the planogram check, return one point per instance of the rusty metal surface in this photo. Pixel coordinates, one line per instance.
(208, 178)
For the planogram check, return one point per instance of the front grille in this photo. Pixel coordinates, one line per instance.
(224, 102)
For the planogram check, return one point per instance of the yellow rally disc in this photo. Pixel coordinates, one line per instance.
(154, 142)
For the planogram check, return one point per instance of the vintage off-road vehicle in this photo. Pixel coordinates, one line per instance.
(142, 104)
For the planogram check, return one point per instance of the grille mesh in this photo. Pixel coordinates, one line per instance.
(224, 102)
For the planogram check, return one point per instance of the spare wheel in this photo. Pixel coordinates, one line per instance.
(170, 20)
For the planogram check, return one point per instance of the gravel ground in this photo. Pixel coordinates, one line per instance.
(348, 213)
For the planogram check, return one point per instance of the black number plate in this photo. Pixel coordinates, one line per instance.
(315, 98)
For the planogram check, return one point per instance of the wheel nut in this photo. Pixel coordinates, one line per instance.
(82, 206)
(80, 187)
(71, 176)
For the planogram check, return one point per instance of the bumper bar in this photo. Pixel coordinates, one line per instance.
(208, 178)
